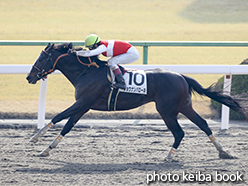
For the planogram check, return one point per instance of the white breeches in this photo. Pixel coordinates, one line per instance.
(131, 56)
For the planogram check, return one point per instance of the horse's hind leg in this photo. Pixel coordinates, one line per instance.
(68, 126)
(170, 118)
(178, 133)
(189, 112)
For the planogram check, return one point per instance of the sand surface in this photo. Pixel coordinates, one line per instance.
(120, 155)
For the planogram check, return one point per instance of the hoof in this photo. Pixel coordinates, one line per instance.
(169, 160)
(44, 154)
(33, 140)
(226, 155)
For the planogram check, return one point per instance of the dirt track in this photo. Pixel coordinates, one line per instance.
(118, 156)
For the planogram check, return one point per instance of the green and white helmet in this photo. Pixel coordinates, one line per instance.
(91, 40)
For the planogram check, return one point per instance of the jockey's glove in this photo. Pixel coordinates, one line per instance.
(71, 52)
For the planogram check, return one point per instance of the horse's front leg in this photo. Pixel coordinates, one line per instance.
(41, 132)
(74, 109)
(66, 129)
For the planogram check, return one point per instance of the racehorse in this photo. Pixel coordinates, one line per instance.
(170, 91)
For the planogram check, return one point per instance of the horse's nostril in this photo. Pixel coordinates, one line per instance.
(28, 78)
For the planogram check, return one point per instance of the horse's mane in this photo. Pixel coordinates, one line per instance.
(64, 47)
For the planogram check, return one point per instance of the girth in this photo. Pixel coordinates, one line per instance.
(112, 99)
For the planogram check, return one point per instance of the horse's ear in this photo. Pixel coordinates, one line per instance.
(70, 45)
(50, 47)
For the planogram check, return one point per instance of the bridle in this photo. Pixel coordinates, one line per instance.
(41, 71)
(42, 74)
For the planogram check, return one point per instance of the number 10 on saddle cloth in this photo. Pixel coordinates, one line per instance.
(135, 82)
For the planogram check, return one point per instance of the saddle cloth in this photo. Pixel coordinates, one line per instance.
(136, 83)
(135, 80)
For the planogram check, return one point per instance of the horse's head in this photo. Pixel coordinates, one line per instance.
(44, 64)
(47, 61)
(41, 65)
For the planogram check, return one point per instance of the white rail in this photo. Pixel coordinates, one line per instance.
(228, 70)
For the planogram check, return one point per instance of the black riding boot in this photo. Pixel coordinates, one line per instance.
(120, 82)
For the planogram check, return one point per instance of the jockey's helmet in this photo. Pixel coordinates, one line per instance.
(91, 40)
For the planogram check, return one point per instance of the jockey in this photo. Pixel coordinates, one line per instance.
(119, 52)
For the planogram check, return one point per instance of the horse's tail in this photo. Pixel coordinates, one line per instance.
(215, 95)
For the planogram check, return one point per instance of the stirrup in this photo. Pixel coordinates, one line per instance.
(119, 85)
(120, 82)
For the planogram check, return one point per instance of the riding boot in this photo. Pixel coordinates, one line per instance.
(120, 82)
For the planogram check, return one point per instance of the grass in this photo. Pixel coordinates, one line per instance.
(140, 20)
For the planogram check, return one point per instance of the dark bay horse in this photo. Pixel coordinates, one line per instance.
(170, 91)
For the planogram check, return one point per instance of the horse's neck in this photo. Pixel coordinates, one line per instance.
(71, 68)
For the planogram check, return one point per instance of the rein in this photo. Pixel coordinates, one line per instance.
(91, 63)
(56, 61)
(58, 58)
(63, 55)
